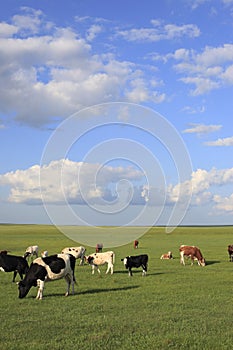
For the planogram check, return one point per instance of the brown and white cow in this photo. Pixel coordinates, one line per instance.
(166, 256)
(98, 259)
(192, 252)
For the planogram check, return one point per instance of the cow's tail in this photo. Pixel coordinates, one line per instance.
(113, 257)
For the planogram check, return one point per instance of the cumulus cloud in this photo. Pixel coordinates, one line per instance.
(201, 129)
(209, 70)
(227, 141)
(64, 181)
(224, 204)
(68, 182)
(57, 65)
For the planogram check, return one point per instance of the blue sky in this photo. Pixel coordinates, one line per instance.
(116, 113)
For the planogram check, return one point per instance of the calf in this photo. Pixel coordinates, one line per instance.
(30, 251)
(97, 259)
(166, 256)
(230, 252)
(50, 268)
(136, 261)
(135, 244)
(191, 252)
(77, 252)
(13, 263)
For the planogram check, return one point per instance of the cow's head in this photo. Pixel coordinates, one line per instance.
(202, 262)
(24, 289)
(89, 259)
(125, 262)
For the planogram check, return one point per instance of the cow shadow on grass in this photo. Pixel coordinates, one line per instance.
(212, 262)
(106, 290)
(89, 291)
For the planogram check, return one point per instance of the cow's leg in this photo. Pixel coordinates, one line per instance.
(130, 272)
(93, 269)
(14, 275)
(40, 284)
(182, 258)
(144, 269)
(69, 281)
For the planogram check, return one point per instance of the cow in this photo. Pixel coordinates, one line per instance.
(136, 261)
(30, 251)
(230, 251)
(192, 252)
(77, 252)
(50, 268)
(97, 259)
(166, 256)
(135, 244)
(13, 263)
(44, 253)
(99, 247)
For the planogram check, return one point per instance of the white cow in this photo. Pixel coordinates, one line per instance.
(30, 251)
(44, 253)
(77, 252)
(97, 259)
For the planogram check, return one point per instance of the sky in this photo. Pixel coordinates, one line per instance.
(116, 112)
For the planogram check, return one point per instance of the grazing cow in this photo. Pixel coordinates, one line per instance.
(136, 261)
(77, 252)
(230, 252)
(191, 252)
(167, 256)
(135, 244)
(97, 259)
(30, 251)
(13, 263)
(50, 268)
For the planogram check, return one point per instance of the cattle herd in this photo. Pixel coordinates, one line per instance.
(49, 268)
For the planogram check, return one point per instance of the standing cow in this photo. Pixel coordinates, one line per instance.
(30, 251)
(77, 252)
(136, 261)
(98, 259)
(192, 252)
(13, 263)
(230, 251)
(50, 268)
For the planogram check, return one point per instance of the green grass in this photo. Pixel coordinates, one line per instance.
(174, 307)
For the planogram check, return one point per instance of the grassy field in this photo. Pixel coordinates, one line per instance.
(174, 307)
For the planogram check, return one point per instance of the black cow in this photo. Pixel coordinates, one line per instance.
(50, 268)
(230, 251)
(13, 263)
(136, 261)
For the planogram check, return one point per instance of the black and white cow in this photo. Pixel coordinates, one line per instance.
(13, 263)
(50, 268)
(136, 261)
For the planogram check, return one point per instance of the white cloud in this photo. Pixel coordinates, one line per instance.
(224, 204)
(60, 69)
(211, 69)
(67, 181)
(159, 32)
(201, 128)
(227, 141)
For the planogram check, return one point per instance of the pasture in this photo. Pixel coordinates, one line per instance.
(173, 307)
